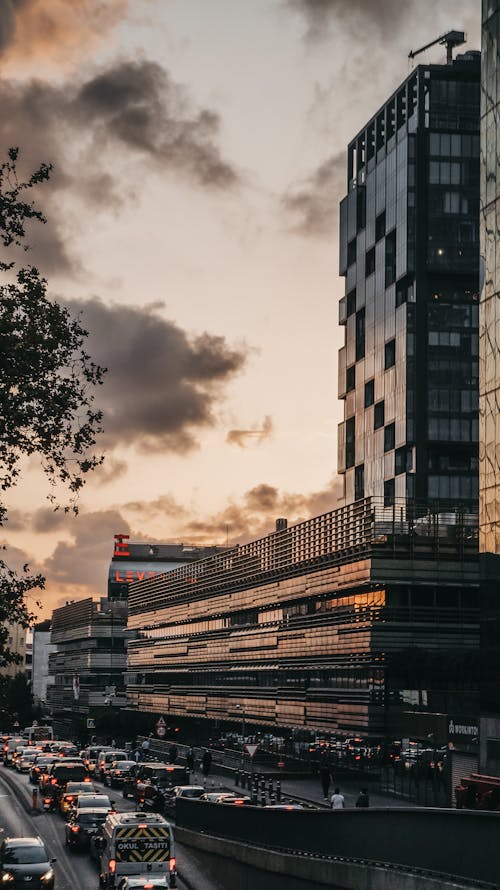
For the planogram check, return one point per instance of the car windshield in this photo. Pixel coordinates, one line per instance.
(191, 792)
(88, 801)
(79, 788)
(164, 776)
(24, 855)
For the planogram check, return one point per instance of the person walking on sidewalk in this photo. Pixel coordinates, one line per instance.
(363, 798)
(190, 759)
(206, 763)
(325, 776)
(337, 800)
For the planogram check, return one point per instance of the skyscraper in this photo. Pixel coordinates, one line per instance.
(409, 251)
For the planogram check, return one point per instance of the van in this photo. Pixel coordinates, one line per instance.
(9, 748)
(105, 758)
(135, 844)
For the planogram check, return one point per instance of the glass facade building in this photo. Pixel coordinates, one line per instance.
(409, 251)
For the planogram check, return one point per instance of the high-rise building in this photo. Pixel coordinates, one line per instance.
(489, 392)
(409, 251)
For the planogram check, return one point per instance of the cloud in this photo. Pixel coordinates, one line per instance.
(82, 563)
(165, 505)
(56, 30)
(242, 438)
(109, 471)
(320, 15)
(255, 515)
(312, 206)
(101, 134)
(162, 386)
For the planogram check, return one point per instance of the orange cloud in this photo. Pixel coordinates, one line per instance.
(58, 30)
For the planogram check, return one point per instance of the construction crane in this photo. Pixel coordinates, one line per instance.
(450, 40)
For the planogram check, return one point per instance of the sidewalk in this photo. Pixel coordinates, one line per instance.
(307, 789)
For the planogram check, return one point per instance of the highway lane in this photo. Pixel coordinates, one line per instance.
(74, 871)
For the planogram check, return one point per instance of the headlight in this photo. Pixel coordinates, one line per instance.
(7, 877)
(48, 876)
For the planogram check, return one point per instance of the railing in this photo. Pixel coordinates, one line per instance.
(328, 539)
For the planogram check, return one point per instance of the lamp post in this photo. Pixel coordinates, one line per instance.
(242, 709)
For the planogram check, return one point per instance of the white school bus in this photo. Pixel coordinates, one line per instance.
(136, 844)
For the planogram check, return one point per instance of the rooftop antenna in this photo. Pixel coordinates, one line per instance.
(450, 40)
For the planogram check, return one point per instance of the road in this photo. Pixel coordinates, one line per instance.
(74, 871)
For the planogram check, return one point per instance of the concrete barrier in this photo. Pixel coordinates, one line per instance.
(458, 843)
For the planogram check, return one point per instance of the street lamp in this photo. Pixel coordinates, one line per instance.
(242, 709)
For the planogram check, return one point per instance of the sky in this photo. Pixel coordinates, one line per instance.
(199, 157)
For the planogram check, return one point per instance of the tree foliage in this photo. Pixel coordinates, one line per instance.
(47, 384)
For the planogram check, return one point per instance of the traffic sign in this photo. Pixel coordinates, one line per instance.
(90, 723)
(251, 750)
(160, 731)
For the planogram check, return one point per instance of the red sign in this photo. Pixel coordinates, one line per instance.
(121, 545)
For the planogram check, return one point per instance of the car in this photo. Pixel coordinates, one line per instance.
(73, 789)
(154, 781)
(70, 751)
(190, 791)
(84, 824)
(114, 773)
(144, 882)
(24, 861)
(106, 758)
(59, 774)
(9, 747)
(90, 801)
(39, 765)
(25, 761)
(223, 797)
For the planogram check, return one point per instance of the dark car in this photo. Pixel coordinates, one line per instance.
(39, 766)
(193, 792)
(115, 773)
(71, 792)
(85, 823)
(59, 774)
(154, 783)
(24, 862)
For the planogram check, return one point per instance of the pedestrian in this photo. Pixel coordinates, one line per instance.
(137, 755)
(172, 754)
(190, 759)
(206, 763)
(145, 747)
(363, 798)
(325, 776)
(337, 800)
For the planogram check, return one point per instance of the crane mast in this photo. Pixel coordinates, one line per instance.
(451, 39)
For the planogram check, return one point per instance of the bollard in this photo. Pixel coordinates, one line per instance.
(255, 798)
(34, 798)
(272, 799)
(270, 787)
(262, 785)
(237, 777)
(263, 799)
(278, 791)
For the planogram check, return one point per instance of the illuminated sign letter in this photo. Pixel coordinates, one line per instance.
(121, 545)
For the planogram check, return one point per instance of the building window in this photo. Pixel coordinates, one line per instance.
(359, 482)
(351, 252)
(350, 378)
(389, 436)
(390, 354)
(370, 262)
(378, 415)
(350, 435)
(403, 460)
(389, 493)
(360, 334)
(380, 226)
(390, 259)
(360, 208)
(369, 393)
(351, 302)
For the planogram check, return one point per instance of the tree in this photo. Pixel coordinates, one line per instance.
(47, 385)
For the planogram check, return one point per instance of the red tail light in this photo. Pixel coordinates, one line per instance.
(75, 828)
(86, 779)
(47, 800)
(112, 866)
(172, 864)
(69, 797)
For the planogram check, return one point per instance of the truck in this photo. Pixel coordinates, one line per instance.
(135, 844)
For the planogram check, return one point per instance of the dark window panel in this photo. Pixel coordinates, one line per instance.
(378, 415)
(360, 334)
(369, 393)
(350, 378)
(389, 437)
(389, 489)
(390, 354)
(359, 482)
(370, 262)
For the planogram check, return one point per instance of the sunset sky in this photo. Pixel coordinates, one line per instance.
(199, 158)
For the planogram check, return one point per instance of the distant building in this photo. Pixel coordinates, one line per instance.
(137, 560)
(89, 662)
(42, 649)
(16, 643)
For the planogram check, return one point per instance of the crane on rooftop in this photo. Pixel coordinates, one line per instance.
(450, 40)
